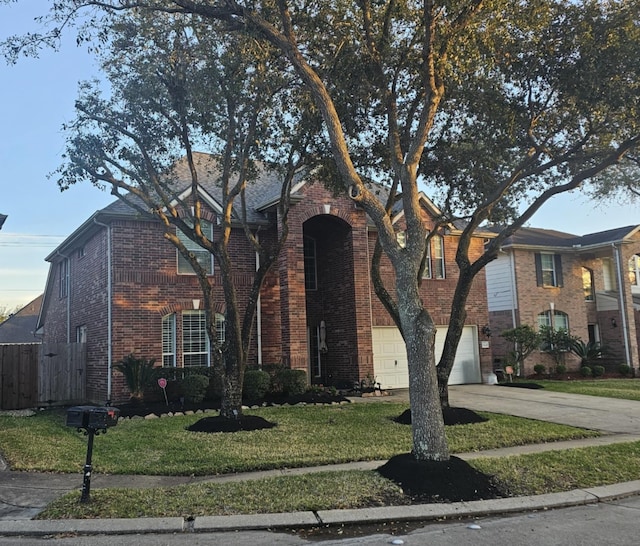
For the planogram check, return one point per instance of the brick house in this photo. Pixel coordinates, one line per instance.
(588, 284)
(118, 285)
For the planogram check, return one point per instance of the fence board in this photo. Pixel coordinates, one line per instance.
(42, 374)
(62, 373)
(18, 376)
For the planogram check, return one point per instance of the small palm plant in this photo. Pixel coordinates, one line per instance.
(588, 352)
(138, 374)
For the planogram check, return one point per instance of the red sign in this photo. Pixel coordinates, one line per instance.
(162, 383)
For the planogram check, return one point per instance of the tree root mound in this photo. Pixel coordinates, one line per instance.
(224, 424)
(439, 481)
(452, 416)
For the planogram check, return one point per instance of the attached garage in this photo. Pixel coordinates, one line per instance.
(390, 357)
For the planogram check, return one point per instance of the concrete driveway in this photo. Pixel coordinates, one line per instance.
(609, 415)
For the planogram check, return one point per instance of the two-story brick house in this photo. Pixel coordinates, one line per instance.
(589, 285)
(117, 284)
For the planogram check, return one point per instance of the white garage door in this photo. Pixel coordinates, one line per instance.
(390, 357)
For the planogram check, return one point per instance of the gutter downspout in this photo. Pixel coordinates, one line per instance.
(623, 308)
(514, 299)
(109, 306)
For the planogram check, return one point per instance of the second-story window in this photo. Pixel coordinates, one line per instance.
(587, 284)
(548, 269)
(204, 257)
(434, 267)
(63, 271)
(634, 270)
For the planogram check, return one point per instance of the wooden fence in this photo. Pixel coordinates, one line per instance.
(33, 375)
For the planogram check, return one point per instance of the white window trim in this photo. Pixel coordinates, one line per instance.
(169, 342)
(183, 266)
(202, 334)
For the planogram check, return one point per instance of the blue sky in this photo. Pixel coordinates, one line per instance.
(37, 97)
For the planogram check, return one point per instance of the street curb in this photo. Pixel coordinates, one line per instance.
(420, 512)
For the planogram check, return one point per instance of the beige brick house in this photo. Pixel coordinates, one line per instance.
(587, 284)
(118, 285)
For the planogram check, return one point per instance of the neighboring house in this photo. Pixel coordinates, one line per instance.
(20, 327)
(589, 285)
(3, 217)
(117, 284)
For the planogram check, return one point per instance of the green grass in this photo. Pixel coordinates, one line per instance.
(517, 475)
(628, 389)
(305, 436)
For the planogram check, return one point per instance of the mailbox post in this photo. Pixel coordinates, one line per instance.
(91, 421)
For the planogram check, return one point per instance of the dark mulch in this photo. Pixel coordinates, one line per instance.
(439, 481)
(224, 424)
(520, 385)
(452, 416)
(146, 408)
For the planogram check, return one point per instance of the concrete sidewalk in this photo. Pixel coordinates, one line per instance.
(24, 495)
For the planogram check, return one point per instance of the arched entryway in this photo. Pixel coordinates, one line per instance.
(330, 297)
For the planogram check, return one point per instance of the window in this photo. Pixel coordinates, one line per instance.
(434, 266)
(587, 284)
(548, 269)
(81, 252)
(63, 272)
(204, 257)
(81, 334)
(558, 333)
(634, 270)
(315, 360)
(401, 239)
(310, 271)
(195, 342)
(169, 340)
(560, 320)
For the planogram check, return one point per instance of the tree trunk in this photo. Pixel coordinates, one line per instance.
(429, 440)
(231, 403)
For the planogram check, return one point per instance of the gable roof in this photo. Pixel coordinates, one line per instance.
(527, 237)
(21, 326)
(3, 217)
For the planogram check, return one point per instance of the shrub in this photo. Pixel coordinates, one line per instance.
(256, 384)
(586, 371)
(598, 371)
(624, 369)
(293, 382)
(539, 369)
(560, 369)
(138, 374)
(194, 387)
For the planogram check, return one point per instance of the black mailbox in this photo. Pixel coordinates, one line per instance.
(92, 417)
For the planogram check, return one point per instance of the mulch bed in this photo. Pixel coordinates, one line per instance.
(224, 424)
(520, 385)
(452, 416)
(439, 481)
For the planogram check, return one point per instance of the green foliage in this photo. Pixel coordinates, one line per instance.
(586, 371)
(293, 382)
(624, 369)
(525, 340)
(138, 374)
(561, 369)
(588, 352)
(539, 369)
(598, 371)
(557, 343)
(256, 384)
(194, 387)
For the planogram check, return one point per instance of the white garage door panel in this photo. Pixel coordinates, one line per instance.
(390, 357)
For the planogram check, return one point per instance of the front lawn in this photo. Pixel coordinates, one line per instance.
(305, 436)
(530, 474)
(628, 389)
